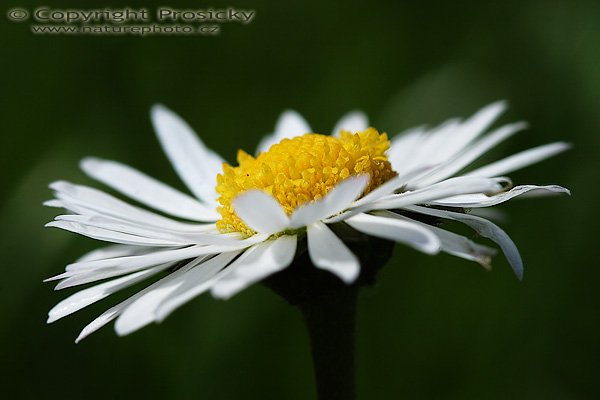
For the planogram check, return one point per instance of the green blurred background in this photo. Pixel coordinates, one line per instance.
(432, 327)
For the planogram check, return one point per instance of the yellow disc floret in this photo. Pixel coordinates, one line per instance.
(302, 169)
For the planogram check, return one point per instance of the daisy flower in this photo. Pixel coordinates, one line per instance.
(244, 223)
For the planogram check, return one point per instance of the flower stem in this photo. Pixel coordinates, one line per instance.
(328, 306)
(330, 321)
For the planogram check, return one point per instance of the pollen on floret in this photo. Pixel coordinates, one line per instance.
(302, 169)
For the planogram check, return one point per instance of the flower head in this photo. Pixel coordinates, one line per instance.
(244, 222)
(301, 170)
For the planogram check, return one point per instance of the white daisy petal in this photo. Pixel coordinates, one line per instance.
(75, 278)
(289, 125)
(354, 121)
(337, 200)
(108, 235)
(143, 310)
(261, 212)
(131, 228)
(96, 293)
(363, 204)
(406, 232)
(520, 160)
(126, 227)
(440, 143)
(151, 259)
(105, 318)
(453, 243)
(195, 164)
(481, 200)
(486, 229)
(145, 260)
(404, 145)
(171, 225)
(255, 264)
(140, 312)
(115, 250)
(147, 190)
(447, 188)
(328, 252)
(54, 203)
(465, 158)
(86, 200)
(473, 127)
(427, 147)
(444, 142)
(112, 313)
(463, 247)
(389, 187)
(195, 282)
(91, 271)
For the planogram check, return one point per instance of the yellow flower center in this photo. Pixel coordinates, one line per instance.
(302, 169)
